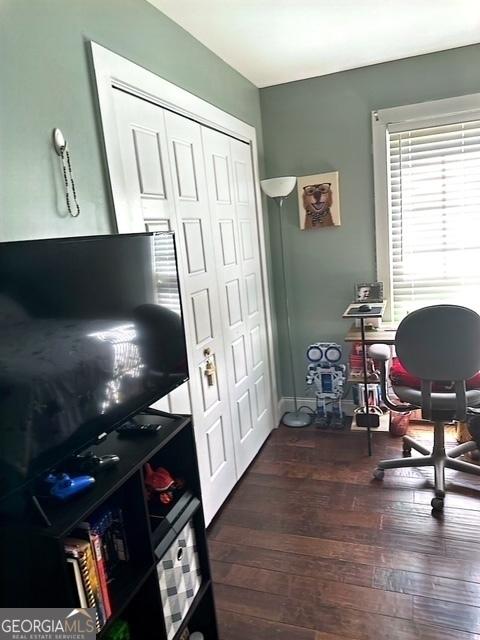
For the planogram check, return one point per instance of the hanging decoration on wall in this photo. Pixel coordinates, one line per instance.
(60, 146)
(319, 201)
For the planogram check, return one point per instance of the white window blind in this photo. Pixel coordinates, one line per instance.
(165, 268)
(434, 198)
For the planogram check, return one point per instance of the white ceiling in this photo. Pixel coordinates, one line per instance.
(276, 41)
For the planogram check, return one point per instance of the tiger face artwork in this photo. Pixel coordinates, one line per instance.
(317, 202)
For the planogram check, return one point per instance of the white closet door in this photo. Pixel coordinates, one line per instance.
(164, 171)
(234, 226)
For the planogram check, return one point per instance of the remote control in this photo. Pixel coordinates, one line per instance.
(90, 464)
(132, 428)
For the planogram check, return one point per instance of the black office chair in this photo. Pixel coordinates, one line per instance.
(438, 343)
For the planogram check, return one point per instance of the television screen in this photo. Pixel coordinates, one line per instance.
(91, 332)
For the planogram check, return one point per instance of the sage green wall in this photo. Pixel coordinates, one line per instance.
(323, 124)
(45, 81)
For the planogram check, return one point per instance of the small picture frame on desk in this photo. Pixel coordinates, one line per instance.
(368, 292)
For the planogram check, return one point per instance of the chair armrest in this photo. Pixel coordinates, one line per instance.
(379, 352)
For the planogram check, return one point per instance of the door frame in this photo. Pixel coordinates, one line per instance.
(114, 71)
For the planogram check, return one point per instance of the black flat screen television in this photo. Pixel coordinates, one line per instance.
(91, 332)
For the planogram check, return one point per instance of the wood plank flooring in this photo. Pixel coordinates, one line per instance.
(309, 547)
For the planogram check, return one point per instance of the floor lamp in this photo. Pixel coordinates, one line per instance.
(278, 189)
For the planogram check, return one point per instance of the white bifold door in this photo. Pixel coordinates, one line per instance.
(198, 182)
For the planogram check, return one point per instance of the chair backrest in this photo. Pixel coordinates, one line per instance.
(441, 342)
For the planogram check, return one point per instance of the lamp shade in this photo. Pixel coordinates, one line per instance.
(278, 187)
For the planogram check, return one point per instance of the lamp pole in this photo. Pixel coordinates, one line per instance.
(278, 189)
(279, 202)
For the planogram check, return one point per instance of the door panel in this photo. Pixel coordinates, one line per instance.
(245, 422)
(234, 303)
(141, 135)
(194, 246)
(260, 396)
(241, 179)
(238, 268)
(212, 411)
(252, 295)
(255, 327)
(239, 357)
(149, 163)
(257, 347)
(164, 173)
(248, 252)
(202, 317)
(217, 451)
(185, 169)
(222, 179)
(227, 237)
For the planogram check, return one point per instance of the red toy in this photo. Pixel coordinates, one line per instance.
(160, 481)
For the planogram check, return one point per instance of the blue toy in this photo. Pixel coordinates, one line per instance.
(63, 487)
(328, 377)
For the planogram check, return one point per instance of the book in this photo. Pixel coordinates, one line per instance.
(101, 543)
(108, 548)
(94, 534)
(96, 541)
(73, 563)
(83, 550)
(109, 525)
(119, 535)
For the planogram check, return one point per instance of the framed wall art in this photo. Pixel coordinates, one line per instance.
(319, 201)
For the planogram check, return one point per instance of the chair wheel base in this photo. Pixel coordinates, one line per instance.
(378, 474)
(437, 504)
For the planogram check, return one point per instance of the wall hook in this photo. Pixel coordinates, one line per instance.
(59, 142)
(60, 146)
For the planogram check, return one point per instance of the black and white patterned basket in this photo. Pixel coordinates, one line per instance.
(179, 578)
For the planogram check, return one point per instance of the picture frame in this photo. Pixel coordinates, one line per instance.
(319, 201)
(369, 292)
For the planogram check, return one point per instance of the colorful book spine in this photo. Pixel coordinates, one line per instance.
(79, 549)
(92, 532)
(77, 577)
(95, 582)
(99, 545)
(96, 541)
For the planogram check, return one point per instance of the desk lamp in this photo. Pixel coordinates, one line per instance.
(278, 189)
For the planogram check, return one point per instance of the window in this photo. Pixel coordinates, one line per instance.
(427, 189)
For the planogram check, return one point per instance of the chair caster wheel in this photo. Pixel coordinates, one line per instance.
(407, 452)
(378, 474)
(437, 504)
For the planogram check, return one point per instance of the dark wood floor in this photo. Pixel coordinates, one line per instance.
(310, 548)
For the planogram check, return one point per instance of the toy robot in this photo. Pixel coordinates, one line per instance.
(329, 378)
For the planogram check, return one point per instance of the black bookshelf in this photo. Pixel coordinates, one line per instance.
(34, 567)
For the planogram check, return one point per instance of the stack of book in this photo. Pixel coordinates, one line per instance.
(93, 553)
